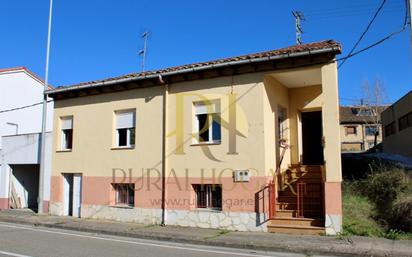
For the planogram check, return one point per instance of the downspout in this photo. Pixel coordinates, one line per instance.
(164, 149)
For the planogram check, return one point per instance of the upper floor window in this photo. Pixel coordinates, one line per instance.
(125, 128)
(390, 129)
(207, 122)
(351, 130)
(405, 121)
(66, 125)
(371, 130)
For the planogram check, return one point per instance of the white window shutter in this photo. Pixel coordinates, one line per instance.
(207, 107)
(125, 120)
(67, 123)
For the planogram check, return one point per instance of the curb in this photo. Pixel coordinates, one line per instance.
(275, 247)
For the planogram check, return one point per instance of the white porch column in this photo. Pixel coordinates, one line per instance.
(332, 149)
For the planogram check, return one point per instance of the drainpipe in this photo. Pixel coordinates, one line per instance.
(164, 149)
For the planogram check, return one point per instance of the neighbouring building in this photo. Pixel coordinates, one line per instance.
(248, 143)
(20, 126)
(397, 124)
(358, 127)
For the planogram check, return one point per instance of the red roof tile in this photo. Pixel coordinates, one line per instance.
(327, 44)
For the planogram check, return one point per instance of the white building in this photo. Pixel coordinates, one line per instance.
(21, 95)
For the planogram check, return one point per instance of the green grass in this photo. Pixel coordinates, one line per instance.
(358, 214)
(358, 217)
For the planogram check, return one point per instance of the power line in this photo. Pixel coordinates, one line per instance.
(24, 107)
(365, 31)
(350, 9)
(350, 14)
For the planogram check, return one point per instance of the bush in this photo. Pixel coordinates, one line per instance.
(401, 214)
(383, 187)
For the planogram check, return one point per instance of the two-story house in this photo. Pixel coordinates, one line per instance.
(248, 143)
(20, 126)
(360, 127)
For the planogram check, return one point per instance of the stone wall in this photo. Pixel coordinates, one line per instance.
(240, 221)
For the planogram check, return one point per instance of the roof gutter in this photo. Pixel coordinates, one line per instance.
(202, 68)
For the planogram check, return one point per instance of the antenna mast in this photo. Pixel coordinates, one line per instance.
(142, 52)
(299, 31)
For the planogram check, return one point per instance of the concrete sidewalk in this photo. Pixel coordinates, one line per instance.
(347, 246)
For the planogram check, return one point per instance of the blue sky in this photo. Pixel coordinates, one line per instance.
(98, 39)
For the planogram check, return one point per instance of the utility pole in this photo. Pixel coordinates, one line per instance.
(44, 118)
(298, 28)
(142, 52)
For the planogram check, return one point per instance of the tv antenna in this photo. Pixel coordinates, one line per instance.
(298, 27)
(142, 52)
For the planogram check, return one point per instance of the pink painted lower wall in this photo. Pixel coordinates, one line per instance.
(46, 205)
(4, 203)
(246, 196)
(333, 198)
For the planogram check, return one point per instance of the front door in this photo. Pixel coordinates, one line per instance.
(72, 188)
(312, 146)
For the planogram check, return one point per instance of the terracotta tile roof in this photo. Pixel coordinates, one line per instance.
(350, 114)
(334, 47)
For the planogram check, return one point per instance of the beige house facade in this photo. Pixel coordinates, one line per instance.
(249, 143)
(360, 127)
(397, 124)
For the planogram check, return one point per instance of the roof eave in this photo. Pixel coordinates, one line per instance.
(334, 50)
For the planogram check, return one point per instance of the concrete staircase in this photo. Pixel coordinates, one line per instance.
(308, 217)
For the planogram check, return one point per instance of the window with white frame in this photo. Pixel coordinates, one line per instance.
(125, 128)
(66, 136)
(207, 122)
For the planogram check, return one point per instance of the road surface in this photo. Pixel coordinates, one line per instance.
(27, 241)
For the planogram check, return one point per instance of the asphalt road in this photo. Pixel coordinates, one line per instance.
(26, 241)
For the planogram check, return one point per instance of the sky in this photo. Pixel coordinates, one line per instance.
(97, 39)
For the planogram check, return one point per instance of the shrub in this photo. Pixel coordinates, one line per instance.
(401, 215)
(383, 188)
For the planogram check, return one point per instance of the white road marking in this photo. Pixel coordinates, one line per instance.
(131, 242)
(13, 254)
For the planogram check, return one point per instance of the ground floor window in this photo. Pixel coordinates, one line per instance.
(208, 196)
(124, 194)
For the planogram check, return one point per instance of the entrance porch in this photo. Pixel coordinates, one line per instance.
(305, 193)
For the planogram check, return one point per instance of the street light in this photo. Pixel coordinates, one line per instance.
(15, 125)
(44, 117)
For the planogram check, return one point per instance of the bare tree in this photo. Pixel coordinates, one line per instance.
(374, 99)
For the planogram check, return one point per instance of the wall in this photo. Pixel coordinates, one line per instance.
(187, 163)
(18, 89)
(399, 143)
